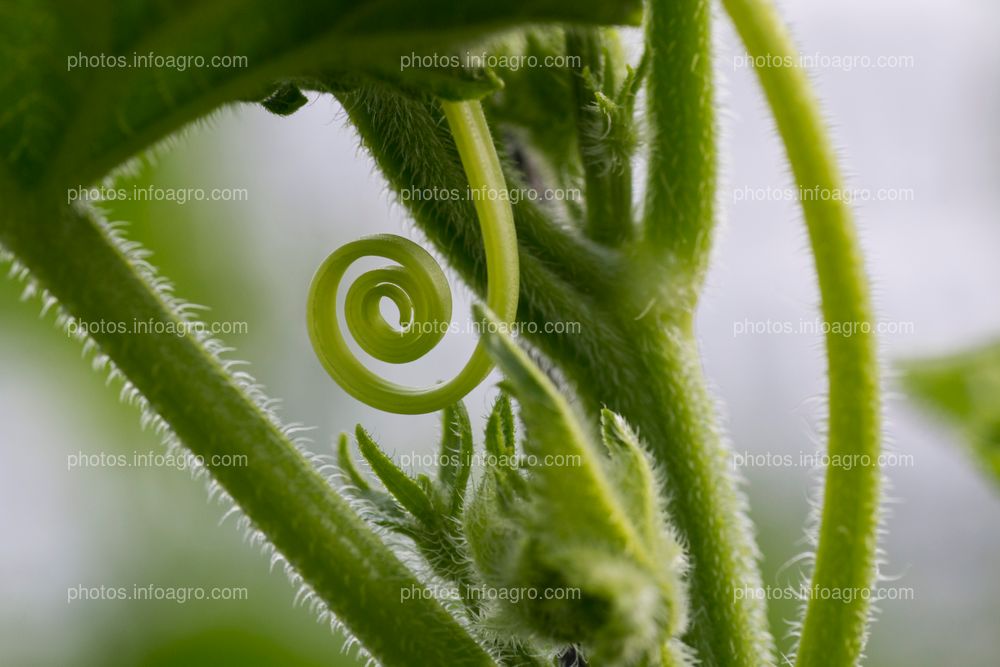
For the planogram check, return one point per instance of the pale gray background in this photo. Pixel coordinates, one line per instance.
(932, 128)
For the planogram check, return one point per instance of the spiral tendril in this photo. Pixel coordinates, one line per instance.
(418, 288)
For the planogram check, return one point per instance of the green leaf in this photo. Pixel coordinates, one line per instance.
(83, 100)
(488, 520)
(347, 465)
(433, 526)
(965, 389)
(580, 526)
(456, 455)
(500, 438)
(404, 488)
(389, 513)
(633, 475)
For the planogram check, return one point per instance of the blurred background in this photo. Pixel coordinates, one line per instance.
(916, 122)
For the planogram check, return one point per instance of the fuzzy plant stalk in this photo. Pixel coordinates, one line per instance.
(678, 223)
(835, 627)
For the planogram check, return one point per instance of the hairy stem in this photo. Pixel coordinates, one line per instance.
(679, 219)
(608, 185)
(339, 557)
(680, 192)
(663, 393)
(834, 629)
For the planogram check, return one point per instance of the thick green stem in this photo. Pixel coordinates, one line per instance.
(662, 392)
(679, 219)
(608, 181)
(834, 629)
(285, 498)
(680, 192)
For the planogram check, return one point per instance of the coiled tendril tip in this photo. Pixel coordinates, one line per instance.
(418, 288)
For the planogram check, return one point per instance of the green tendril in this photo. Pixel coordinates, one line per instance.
(418, 288)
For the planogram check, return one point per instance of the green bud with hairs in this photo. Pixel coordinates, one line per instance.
(587, 543)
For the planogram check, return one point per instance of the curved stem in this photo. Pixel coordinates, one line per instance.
(663, 392)
(419, 288)
(678, 220)
(496, 219)
(834, 630)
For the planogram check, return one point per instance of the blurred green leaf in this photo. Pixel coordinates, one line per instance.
(88, 86)
(965, 388)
